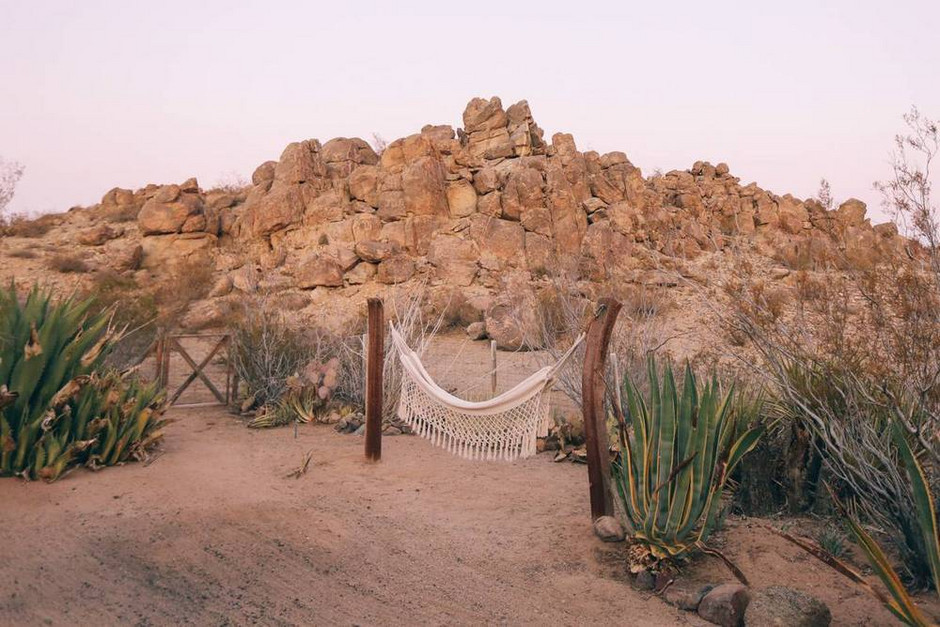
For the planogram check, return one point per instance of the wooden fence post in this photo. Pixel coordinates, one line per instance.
(592, 394)
(374, 367)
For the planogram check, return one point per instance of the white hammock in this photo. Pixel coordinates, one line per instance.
(504, 427)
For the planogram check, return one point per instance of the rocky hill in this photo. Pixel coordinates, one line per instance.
(484, 215)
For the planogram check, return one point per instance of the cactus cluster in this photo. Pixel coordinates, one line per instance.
(308, 391)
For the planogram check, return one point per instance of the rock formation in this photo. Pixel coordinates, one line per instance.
(466, 210)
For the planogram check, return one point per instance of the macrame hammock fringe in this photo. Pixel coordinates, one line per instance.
(504, 427)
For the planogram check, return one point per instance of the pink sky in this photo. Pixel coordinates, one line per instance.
(98, 94)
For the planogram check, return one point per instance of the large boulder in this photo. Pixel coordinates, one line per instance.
(300, 162)
(485, 125)
(277, 209)
(375, 251)
(168, 210)
(454, 259)
(852, 212)
(524, 134)
(396, 269)
(320, 271)
(725, 605)
(461, 198)
(98, 235)
(502, 238)
(364, 184)
(264, 173)
(523, 193)
(423, 187)
(342, 155)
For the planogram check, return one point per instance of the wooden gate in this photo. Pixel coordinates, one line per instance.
(171, 345)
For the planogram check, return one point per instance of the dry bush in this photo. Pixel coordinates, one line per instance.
(23, 253)
(856, 351)
(563, 312)
(10, 174)
(21, 226)
(266, 349)
(190, 279)
(67, 263)
(133, 311)
(407, 309)
(230, 183)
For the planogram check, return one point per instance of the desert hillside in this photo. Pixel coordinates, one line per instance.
(486, 217)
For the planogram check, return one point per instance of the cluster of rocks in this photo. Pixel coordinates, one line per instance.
(356, 423)
(484, 211)
(734, 604)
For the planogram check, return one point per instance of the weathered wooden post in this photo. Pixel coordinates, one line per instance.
(374, 367)
(592, 403)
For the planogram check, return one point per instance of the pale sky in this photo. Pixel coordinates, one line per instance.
(97, 94)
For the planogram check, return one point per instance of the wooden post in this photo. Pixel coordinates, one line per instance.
(374, 367)
(592, 394)
(493, 366)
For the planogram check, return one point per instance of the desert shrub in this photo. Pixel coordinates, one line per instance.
(21, 226)
(66, 264)
(23, 253)
(563, 312)
(833, 540)
(190, 279)
(266, 350)
(679, 445)
(406, 308)
(230, 183)
(133, 311)
(59, 405)
(10, 174)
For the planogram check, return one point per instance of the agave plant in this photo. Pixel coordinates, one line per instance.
(678, 450)
(57, 406)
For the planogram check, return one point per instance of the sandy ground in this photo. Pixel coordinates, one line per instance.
(212, 532)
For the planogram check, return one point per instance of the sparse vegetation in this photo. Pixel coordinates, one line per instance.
(10, 174)
(68, 264)
(855, 361)
(134, 312)
(266, 352)
(23, 253)
(22, 226)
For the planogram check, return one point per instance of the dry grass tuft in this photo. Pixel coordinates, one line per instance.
(68, 264)
(23, 253)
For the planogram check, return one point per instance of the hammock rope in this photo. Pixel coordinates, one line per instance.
(503, 427)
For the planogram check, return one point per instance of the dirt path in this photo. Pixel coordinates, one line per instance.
(213, 533)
